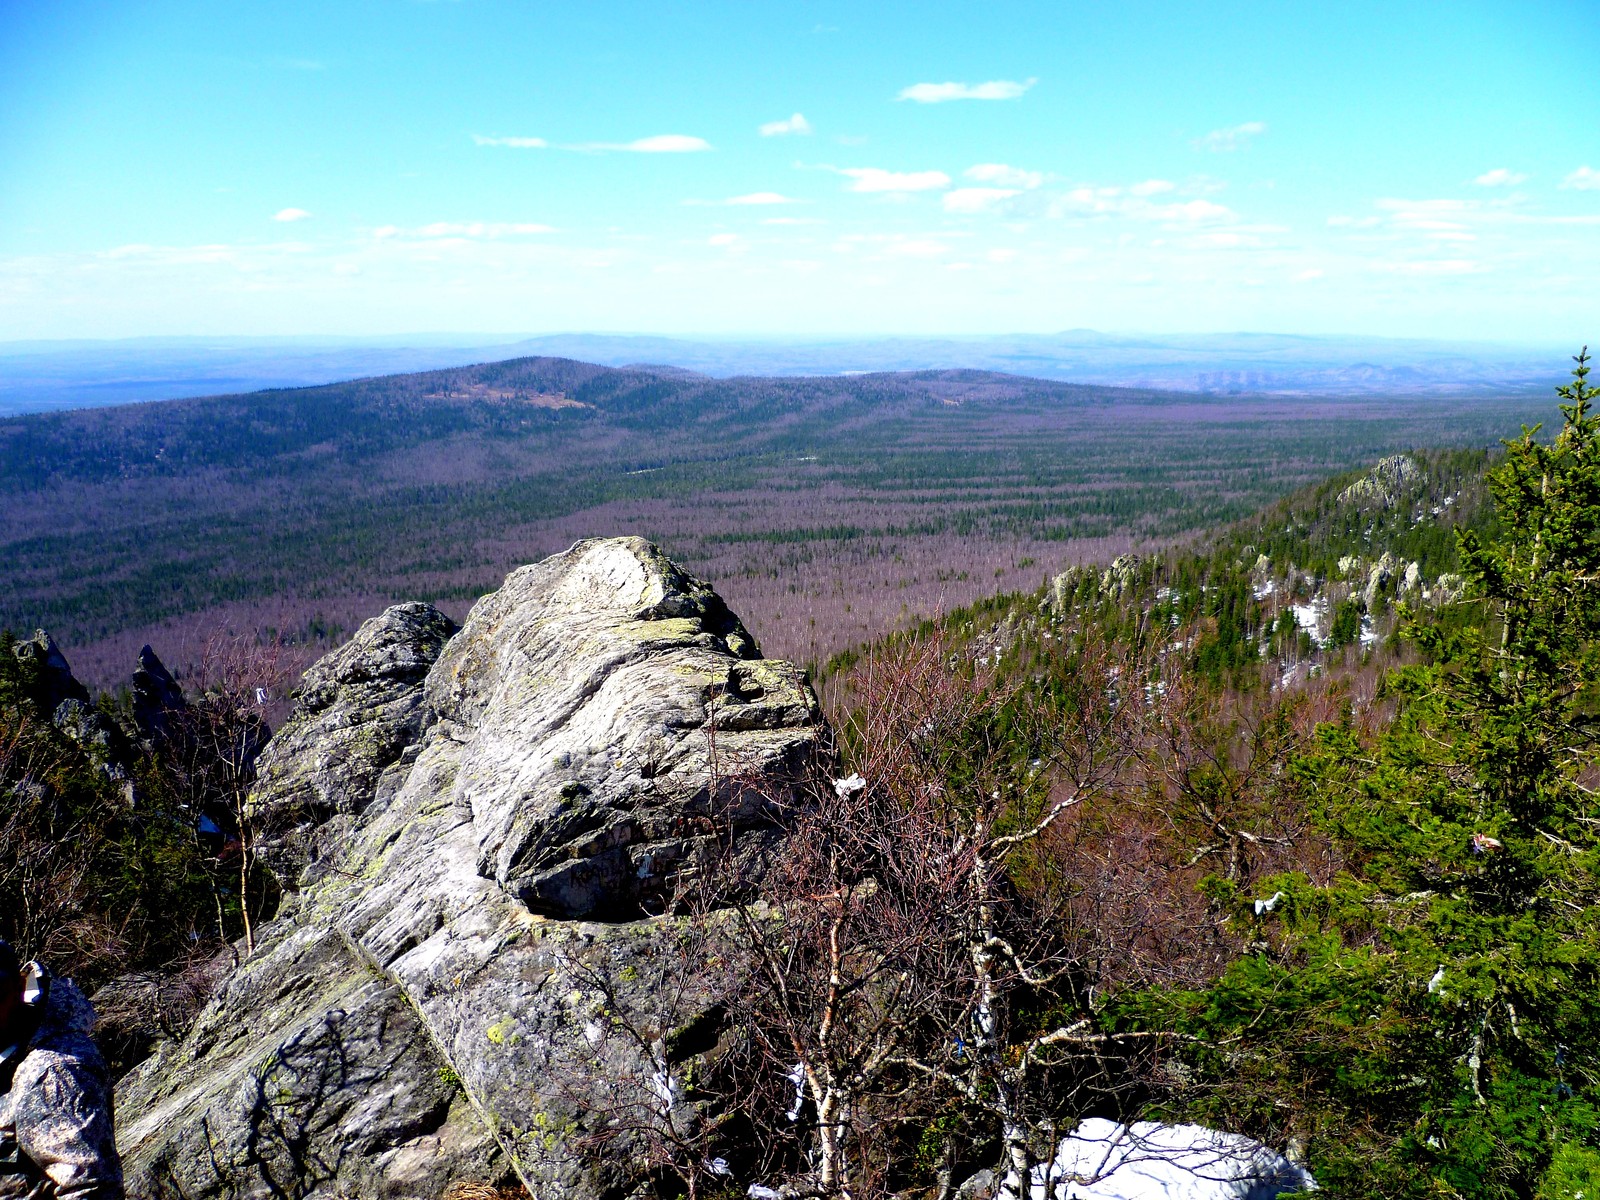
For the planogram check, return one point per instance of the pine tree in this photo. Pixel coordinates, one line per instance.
(1431, 1020)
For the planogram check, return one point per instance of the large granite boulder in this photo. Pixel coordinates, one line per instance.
(358, 711)
(433, 1004)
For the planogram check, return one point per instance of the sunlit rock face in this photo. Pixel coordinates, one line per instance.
(412, 1018)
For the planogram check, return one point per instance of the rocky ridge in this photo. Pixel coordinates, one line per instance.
(476, 825)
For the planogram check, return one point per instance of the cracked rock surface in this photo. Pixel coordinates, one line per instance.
(414, 1017)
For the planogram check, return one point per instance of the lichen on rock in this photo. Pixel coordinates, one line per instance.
(483, 827)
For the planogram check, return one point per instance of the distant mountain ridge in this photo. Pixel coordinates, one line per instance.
(831, 506)
(43, 376)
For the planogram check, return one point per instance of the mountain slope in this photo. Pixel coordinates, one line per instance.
(830, 508)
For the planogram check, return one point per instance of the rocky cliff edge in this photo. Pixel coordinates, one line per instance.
(473, 827)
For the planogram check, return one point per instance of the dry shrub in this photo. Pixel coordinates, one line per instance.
(478, 1190)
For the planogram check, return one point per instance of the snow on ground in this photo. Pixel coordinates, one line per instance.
(1307, 616)
(1150, 1161)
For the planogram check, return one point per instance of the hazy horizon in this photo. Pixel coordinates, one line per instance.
(45, 376)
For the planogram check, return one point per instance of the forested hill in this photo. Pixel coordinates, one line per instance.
(289, 431)
(829, 510)
(1313, 581)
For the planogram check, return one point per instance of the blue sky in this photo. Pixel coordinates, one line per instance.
(800, 168)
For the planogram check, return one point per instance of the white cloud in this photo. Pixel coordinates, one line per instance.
(723, 239)
(795, 124)
(1309, 274)
(1219, 140)
(1001, 175)
(290, 214)
(516, 143)
(1151, 187)
(661, 143)
(1112, 202)
(938, 93)
(1441, 220)
(793, 221)
(978, 199)
(761, 198)
(1193, 210)
(1500, 177)
(1430, 266)
(876, 179)
(1584, 179)
(464, 229)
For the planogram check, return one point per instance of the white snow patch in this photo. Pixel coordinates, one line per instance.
(1266, 906)
(1306, 616)
(849, 786)
(797, 1076)
(1105, 1160)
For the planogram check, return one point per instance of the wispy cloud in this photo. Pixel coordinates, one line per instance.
(1002, 176)
(1429, 266)
(1442, 220)
(291, 214)
(793, 221)
(1500, 177)
(746, 200)
(464, 229)
(661, 143)
(939, 93)
(795, 124)
(1222, 140)
(1584, 179)
(876, 179)
(1137, 206)
(1151, 187)
(761, 198)
(516, 143)
(976, 199)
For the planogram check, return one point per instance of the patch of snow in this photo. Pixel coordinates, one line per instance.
(1266, 906)
(1369, 635)
(1266, 589)
(848, 786)
(797, 1076)
(1306, 616)
(1105, 1160)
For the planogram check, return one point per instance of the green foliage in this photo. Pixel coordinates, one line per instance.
(1431, 1017)
(1346, 627)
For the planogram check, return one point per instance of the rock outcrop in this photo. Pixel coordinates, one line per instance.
(158, 704)
(1384, 485)
(358, 712)
(478, 845)
(67, 702)
(56, 680)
